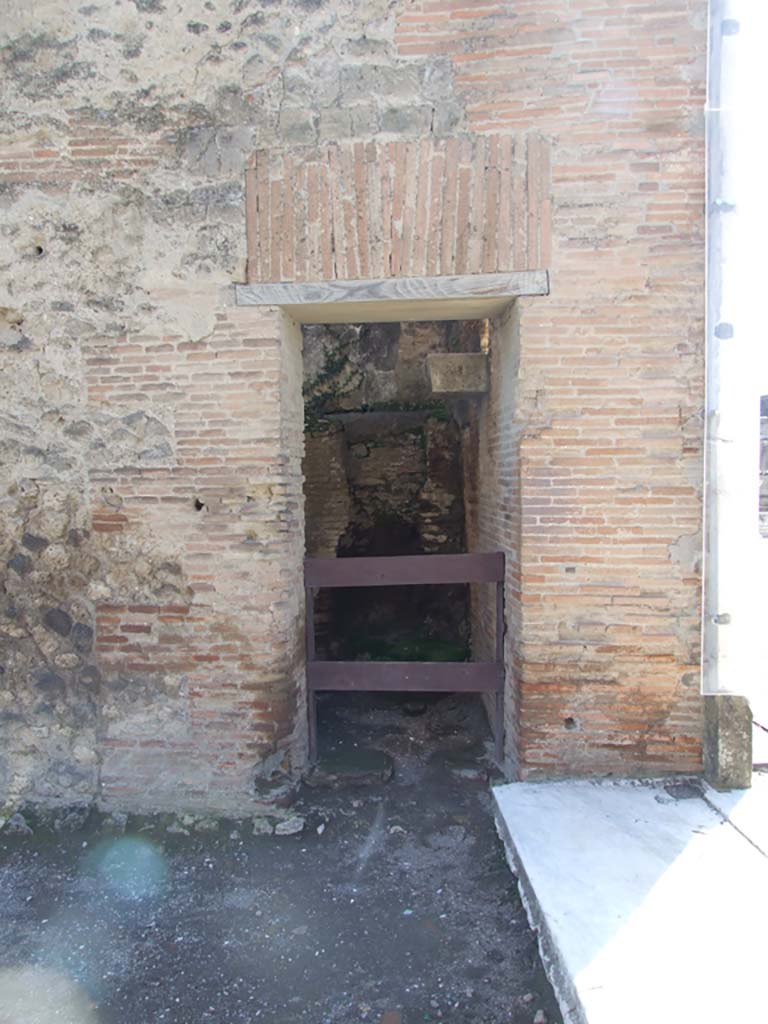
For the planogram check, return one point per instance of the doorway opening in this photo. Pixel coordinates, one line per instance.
(389, 470)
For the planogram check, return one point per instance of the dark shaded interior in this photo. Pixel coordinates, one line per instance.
(414, 623)
(385, 476)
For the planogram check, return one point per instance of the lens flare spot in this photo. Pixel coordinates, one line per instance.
(38, 995)
(132, 867)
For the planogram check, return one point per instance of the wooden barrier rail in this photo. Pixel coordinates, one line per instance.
(419, 676)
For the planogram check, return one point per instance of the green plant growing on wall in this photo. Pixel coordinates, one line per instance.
(337, 377)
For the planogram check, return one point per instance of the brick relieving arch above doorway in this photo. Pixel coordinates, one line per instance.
(474, 204)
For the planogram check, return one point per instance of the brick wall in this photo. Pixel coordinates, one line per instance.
(609, 389)
(494, 504)
(201, 697)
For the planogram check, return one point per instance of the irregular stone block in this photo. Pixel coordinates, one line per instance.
(290, 827)
(363, 82)
(458, 373)
(82, 637)
(17, 825)
(72, 818)
(51, 684)
(58, 621)
(21, 564)
(34, 543)
(90, 675)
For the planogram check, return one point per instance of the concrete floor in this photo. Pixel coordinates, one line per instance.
(393, 906)
(651, 898)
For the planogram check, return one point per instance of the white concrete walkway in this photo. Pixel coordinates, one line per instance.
(651, 899)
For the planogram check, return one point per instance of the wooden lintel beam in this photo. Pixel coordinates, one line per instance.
(416, 298)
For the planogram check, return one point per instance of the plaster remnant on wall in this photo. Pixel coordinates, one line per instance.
(687, 552)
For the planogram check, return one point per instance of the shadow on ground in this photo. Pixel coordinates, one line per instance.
(394, 905)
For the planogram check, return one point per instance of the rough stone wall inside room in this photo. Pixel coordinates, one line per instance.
(384, 475)
(126, 131)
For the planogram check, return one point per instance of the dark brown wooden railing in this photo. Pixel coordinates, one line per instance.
(433, 676)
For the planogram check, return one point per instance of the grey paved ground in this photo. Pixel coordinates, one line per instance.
(394, 906)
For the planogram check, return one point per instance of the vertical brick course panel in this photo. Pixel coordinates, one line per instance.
(218, 682)
(409, 209)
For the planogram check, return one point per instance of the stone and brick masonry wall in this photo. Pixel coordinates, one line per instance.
(126, 135)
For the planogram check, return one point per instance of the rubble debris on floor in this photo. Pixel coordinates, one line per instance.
(388, 901)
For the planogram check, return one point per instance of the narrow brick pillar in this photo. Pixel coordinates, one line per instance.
(727, 742)
(493, 515)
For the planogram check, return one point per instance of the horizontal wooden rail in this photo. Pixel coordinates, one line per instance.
(398, 570)
(418, 676)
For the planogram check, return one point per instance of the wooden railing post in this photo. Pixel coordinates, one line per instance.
(311, 656)
(498, 697)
